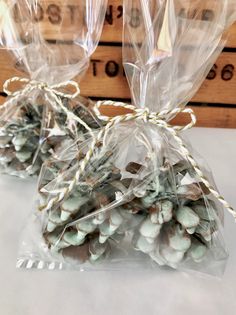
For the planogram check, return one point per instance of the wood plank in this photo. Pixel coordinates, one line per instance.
(56, 15)
(207, 116)
(105, 77)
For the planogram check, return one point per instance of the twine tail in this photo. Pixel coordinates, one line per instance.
(199, 172)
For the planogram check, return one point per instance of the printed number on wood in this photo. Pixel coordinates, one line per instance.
(227, 73)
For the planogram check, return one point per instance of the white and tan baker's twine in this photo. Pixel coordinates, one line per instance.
(159, 119)
(49, 90)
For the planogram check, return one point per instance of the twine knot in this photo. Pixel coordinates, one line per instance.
(159, 118)
(52, 94)
(40, 85)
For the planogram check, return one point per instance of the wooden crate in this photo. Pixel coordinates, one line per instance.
(105, 77)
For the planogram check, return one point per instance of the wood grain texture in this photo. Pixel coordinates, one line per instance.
(105, 77)
(112, 31)
(61, 20)
(207, 116)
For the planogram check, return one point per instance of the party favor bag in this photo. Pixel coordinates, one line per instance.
(133, 195)
(44, 112)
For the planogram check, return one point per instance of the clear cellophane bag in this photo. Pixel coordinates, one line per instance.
(44, 111)
(134, 194)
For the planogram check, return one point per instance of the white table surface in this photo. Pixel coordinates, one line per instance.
(147, 292)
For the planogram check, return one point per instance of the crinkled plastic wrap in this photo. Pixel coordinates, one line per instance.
(137, 200)
(40, 116)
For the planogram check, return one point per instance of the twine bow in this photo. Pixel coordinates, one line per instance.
(159, 119)
(50, 91)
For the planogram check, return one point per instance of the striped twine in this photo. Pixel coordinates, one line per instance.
(50, 90)
(160, 119)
